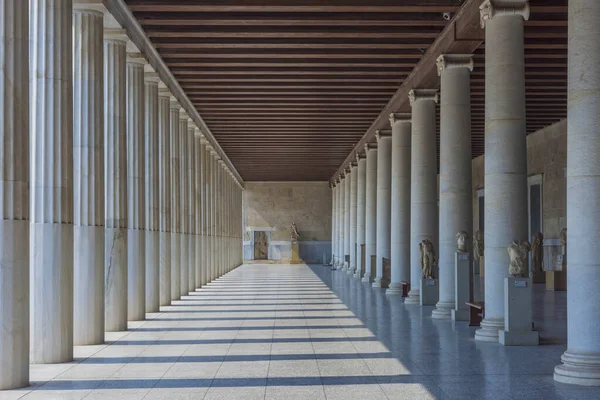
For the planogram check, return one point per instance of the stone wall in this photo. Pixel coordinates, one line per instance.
(546, 155)
(273, 206)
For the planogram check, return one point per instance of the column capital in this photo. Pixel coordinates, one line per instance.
(220, 162)
(454, 61)
(203, 140)
(191, 123)
(198, 133)
(116, 34)
(135, 57)
(151, 77)
(492, 8)
(173, 103)
(348, 169)
(163, 91)
(183, 115)
(399, 117)
(370, 146)
(423, 94)
(353, 164)
(338, 179)
(382, 134)
(90, 6)
(360, 156)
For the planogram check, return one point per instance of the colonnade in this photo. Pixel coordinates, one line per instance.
(114, 203)
(399, 191)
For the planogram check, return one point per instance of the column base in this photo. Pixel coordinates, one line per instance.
(351, 270)
(395, 289)
(115, 279)
(518, 338)
(489, 331)
(344, 266)
(367, 277)
(443, 310)
(414, 297)
(88, 290)
(377, 282)
(578, 369)
(460, 315)
(357, 274)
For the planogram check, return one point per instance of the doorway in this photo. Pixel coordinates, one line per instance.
(261, 245)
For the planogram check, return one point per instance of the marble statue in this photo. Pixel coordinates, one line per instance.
(478, 245)
(563, 237)
(537, 252)
(461, 241)
(518, 257)
(295, 234)
(428, 260)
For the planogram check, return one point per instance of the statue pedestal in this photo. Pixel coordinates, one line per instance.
(295, 253)
(462, 286)
(518, 314)
(429, 292)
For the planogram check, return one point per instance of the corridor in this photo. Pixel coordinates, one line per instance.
(296, 332)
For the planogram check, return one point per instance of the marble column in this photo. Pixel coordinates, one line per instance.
(456, 203)
(204, 201)
(333, 221)
(423, 193)
(191, 211)
(184, 201)
(115, 185)
(198, 205)
(343, 233)
(353, 208)
(151, 186)
(88, 168)
(51, 132)
(581, 362)
(164, 185)
(360, 211)
(347, 188)
(136, 224)
(338, 222)
(400, 203)
(383, 218)
(370, 210)
(174, 139)
(505, 152)
(208, 211)
(14, 194)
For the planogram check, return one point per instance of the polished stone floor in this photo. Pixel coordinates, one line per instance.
(306, 332)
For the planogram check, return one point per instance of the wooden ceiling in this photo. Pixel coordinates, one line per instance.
(289, 87)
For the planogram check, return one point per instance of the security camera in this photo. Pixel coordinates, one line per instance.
(447, 16)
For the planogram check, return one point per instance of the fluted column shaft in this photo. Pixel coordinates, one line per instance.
(191, 164)
(505, 156)
(384, 183)
(184, 201)
(51, 129)
(370, 210)
(198, 206)
(343, 233)
(400, 203)
(456, 205)
(333, 217)
(14, 194)
(136, 224)
(164, 184)
(353, 183)
(423, 194)
(203, 191)
(175, 138)
(115, 175)
(88, 168)
(347, 187)
(152, 194)
(581, 362)
(360, 212)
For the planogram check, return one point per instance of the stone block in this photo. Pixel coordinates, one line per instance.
(429, 292)
(462, 286)
(518, 314)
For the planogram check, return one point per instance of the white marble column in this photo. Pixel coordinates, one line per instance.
(347, 183)
(370, 209)
(164, 188)
(88, 168)
(220, 212)
(151, 186)
(400, 203)
(203, 204)
(343, 233)
(136, 224)
(51, 132)
(360, 211)
(505, 152)
(184, 201)
(423, 193)
(581, 362)
(174, 139)
(209, 212)
(115, 185)
(338, 222)
(353, 208)
(191, 211)
(333, 221)
(14, 194)
(456, 203)
(383, 217)
(198, 205)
